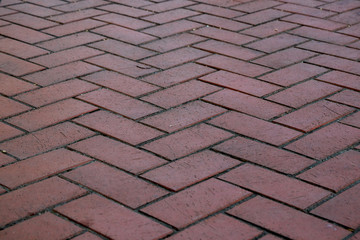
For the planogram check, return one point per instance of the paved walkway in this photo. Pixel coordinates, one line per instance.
(179, 119)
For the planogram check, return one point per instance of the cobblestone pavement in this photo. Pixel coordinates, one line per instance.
(179, 119)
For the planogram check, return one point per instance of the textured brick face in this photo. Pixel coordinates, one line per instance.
(111, 219)
(179, 119)
(195, 203)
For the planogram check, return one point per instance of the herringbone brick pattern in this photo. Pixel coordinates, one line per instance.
(179, 119)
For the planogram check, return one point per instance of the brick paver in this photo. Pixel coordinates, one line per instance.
(179, 119)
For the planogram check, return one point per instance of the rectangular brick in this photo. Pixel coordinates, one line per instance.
(56, 92)
(176, 57)
(255, 128)
(353, 120)
(275, 185)
(336, 63)
(336, 173)
(247, 104)
(122, 65)
(36, 197)
(215, 10)
(56, 228)
(61, 73)
(277, 42)
(118, 154)
(47, 3)
(66, 56)
(168, 5)
(254, 6)
(262, 16)
(11, 86)
(309, 11)
(70, 41)
(197, 202)
(331, 49)
(135, 3)
(287, 221)
(170, 16)
(220, 225)
(180, 94)
(7, 132)
(323, 35)
(87, 236)
(228, 49)
(304, 93)
(20, 49)
(10, 107)
(125, 10)
(269, 29)
(111, 219)
(119, 103)
(349, 17)
(187, 141)
(16, 66)
(39, 167)
(34, 9)
(122, 49)
(293, 74)
(183, 116)
(342, 6)
(73, 27)
(284, 58)
(315, 115)
(45, 140)
(343, 209)
(5, 159)
(178, 74)
(124, 21)
(223, 35)
(234, 65)
(326, 141)
(51, 114)
(124, 34)
(222, 3)
(309, 3)
(173, 42)
(78, 15)
(118, 127)
(171, 28)
(265, 155)
(29, 21)
(73, 6)
(341, 79)
(120, 83)
(132, 191)
(240, 83)
(190, 170)
(219, 22)
(347, 97)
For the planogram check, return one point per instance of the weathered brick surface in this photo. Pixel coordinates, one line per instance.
(287, 221)
(132, 191)
(265, 155)
(190, 170)
(196, 202)
(111, 219)
(40, 167)
(183, 119)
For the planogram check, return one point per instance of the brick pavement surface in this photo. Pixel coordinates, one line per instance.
(179, 119)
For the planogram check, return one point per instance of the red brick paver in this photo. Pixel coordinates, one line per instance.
(179, 119)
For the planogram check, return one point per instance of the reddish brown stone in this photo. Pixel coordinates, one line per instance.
(190, 170)
(287, 221)
(197, 202)
(111, 219)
